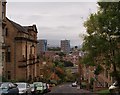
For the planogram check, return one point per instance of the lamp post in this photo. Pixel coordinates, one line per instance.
(80, 68)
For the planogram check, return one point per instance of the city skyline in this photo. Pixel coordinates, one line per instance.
(55, 20)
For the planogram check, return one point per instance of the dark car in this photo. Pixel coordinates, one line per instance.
(49, 88)
(8, 88)
(45, 87)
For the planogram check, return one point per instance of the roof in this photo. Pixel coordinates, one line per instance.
(19, 27)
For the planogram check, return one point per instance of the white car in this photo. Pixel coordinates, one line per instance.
(114, 88)
(74, 84)
(24, 88)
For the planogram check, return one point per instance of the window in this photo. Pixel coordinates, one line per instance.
(3, 15)
(9, 75)
(2, 31)
(8, 55)
(3, 11)
(3, 54)
(6, 32)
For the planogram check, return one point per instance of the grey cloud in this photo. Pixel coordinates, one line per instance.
(55, 21)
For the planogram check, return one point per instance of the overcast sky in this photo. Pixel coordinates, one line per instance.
(55, 20)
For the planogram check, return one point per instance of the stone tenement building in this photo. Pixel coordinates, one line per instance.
(2, 25)
(19, 51)
(0, 38)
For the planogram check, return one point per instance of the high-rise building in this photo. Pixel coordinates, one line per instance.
(42, 46)
(65, 46)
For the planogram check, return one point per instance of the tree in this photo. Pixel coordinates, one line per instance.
(102, 44)
(69, 76)
(68, 64)
(58, 69)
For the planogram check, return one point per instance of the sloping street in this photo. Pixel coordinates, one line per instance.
(68, 89)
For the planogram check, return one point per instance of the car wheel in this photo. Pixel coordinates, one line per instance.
(26, 93)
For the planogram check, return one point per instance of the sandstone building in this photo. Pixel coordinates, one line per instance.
(2, 25)
(19, 50)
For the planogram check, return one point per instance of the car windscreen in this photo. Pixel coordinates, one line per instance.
(4, 86)
(31, 85)
(38, 84)
(21, 85)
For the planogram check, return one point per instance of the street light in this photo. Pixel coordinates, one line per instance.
(80, 67)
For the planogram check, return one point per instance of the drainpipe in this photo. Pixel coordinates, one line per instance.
(14, 60)
(26, 58)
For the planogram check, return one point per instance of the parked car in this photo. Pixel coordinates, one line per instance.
(45, 87)
(39, 87)
(24, 88)
(74, 84)
(49, 88)
(0, 84)
(114, 88)
(8, 88)
(33, 89)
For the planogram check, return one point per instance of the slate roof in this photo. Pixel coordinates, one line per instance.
(19, 27)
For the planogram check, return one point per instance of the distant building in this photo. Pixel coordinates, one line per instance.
(65, 46)
(41, 46)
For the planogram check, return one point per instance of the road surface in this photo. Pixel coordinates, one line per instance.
(67, 89)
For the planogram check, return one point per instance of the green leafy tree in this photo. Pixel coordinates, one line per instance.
(102, 44)
(67, 63)
(58, 69)
(69, 76)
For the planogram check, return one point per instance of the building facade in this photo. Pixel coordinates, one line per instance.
(20, 51)
(2, 27)
(0, 40)
(65, 46)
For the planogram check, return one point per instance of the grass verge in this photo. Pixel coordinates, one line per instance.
(103, 92)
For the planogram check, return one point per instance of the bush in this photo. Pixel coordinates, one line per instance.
(83, 85)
